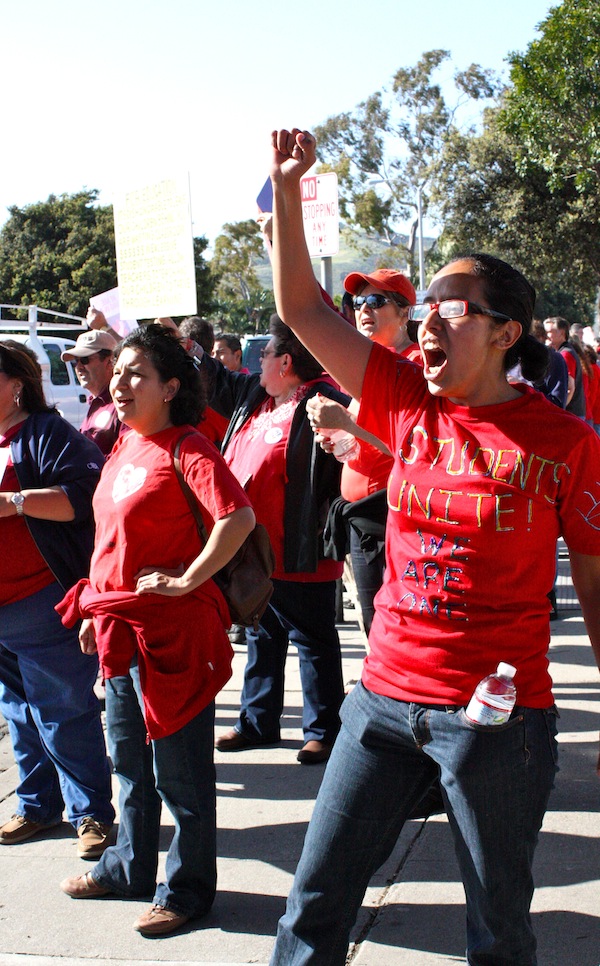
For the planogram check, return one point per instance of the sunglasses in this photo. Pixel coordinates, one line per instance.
(371, 301)
(85, 360)
(451, 309)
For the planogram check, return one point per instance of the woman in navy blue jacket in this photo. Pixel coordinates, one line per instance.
(48, 473)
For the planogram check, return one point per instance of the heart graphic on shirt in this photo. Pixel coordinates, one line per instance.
(129, 480)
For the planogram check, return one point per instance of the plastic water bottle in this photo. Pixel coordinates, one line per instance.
(344, 445)
(494, 697)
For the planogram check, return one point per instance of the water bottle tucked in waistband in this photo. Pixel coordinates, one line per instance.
(494, 697)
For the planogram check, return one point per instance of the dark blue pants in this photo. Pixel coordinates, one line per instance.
(303, 614)
(47, 697)
(178, 770)
(495, 781)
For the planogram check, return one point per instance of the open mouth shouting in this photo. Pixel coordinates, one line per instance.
(434, 359)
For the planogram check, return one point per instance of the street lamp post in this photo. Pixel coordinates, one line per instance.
(420, 227)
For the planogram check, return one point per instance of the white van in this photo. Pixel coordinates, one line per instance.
(61, 386)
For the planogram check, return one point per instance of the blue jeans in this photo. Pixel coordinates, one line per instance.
(178, 770)
(303, 614)
(495, 782)
(47, 697)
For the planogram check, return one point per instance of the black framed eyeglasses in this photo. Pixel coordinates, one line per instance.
(452, 309)
(266, 352)
(374, 301)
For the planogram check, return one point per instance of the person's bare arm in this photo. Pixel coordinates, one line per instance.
(226, 537)
(340, 349)
(585, 571)
(97, 320)
(325, 414)
(48, 503)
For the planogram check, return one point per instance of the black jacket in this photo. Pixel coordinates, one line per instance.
(577, 403)
(313, 476)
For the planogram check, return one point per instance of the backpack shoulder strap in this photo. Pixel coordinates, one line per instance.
(187, 492)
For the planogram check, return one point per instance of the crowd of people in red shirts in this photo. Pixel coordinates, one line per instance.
(461, 477)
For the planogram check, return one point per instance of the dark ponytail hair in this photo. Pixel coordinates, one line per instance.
(509, 292)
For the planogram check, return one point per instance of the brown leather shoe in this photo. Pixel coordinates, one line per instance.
(84, 887)
(94, 838)
(314, 752)
(157, 921)
(19, 829)
(235, 741)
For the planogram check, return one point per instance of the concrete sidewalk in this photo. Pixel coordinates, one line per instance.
(413, 914)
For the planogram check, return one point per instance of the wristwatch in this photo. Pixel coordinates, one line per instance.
(18, 499)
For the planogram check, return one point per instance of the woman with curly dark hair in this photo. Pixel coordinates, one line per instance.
(159, 624)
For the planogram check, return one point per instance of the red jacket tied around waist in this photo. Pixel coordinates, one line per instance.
(178, 677)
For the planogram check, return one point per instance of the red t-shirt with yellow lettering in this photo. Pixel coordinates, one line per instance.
(477, 498)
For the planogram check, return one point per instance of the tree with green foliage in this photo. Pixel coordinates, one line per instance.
(56, 253)
(387, 152)
(552, 108)
(489, 204)
(205, 283)
(242, 300)
(59, 252)
(528, 187)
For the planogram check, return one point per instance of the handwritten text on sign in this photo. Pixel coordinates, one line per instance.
(155, 250)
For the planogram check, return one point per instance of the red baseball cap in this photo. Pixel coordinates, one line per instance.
(385, 279)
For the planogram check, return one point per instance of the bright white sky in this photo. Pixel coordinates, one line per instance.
(116, 94)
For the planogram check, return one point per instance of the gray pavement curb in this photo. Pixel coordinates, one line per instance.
(21, 960)
(413, 912)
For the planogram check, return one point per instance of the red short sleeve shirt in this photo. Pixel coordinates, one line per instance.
(257, 458)
(142, 516)
(477, 498)
(26, 572)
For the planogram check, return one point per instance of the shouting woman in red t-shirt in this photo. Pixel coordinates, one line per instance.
(479, 492)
